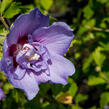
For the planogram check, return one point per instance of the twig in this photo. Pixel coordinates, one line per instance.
(3, 21)
(97, 29)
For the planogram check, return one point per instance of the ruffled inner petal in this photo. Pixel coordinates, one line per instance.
(19, 73)
(34, 57)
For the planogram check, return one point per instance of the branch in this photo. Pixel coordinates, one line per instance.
(97, 29)
(3, 21)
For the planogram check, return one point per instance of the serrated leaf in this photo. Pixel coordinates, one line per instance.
(13, 10)
(4, 5)
(46, 4)
(95, 81)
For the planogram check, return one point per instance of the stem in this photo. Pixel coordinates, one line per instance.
(104, 77)
(97, 29)
(3, 21)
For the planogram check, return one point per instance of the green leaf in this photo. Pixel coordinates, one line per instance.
(82, 30)
(16, 96)
(90, 22)
(106, 19)
(104, 99)
(50, 106)
(45, 104)
(61, 106)
(106, 74)
(13, 10)
(4, 5)
(73, 87)
(7, 87)
(94, 107)
(103, 25)
(52, 19)
(46, 4)
(3, 32)
(2, 40)
(105, 46)
(87, 63)
(80, 97)
(88, 37)
(98, 56)
(102, 1)
(44, 88)
(76, 107)
(95, 81)
(27, 8)
(56, 89)
(88, 12)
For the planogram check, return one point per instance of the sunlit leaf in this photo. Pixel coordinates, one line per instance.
(46, 4)
(98, 56)
(4, 5)
(7, 87)
(73, 87)
(89, 22)
(88, 12)
(95, 81)
(45, 104)
(13, 10)
(104, 99)
(80, 97)
(105, 46)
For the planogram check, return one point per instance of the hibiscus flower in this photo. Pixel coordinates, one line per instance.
(33, 52)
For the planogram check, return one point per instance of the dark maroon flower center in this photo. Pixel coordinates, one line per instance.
(15, 48)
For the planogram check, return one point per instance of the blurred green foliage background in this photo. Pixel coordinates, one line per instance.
(88, 88)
